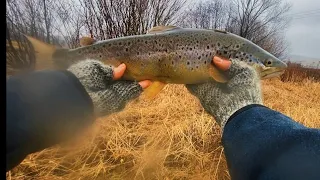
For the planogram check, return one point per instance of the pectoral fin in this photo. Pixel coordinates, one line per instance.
(154, 89)
(217, 75)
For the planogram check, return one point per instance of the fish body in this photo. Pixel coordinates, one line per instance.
(168, 54)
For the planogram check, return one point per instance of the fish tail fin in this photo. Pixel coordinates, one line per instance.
(43, 53)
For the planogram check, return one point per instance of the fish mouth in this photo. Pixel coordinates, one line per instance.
(271, 72)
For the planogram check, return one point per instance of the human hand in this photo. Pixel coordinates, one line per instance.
(102, 83)
(223, 100)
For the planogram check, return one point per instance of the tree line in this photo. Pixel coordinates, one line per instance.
(63, 22)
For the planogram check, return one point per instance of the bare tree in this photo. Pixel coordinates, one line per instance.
(261, 21)
(208, 15)
(110, 19)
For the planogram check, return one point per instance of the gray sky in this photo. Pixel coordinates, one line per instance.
(303, 33)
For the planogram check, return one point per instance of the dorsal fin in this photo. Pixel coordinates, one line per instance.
(158, 29)
(220, 31)
(86, 41)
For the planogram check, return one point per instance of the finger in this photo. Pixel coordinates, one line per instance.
(242, 75)
(222, 64)
(119, 71)
(144, 84)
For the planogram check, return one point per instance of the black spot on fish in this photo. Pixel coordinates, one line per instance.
(180, 57)
(149, 53)
(190, 49)
(241, 59)
(188, 63)
(208, 47)
(138, 53)
(170, 41)
(146, 42)
(100, 56)
(159, 60)
(138, 40)
(197, 41)
(166, 50)
(129, 43)
(109, 45)
(250, 60)
(225, 52)
(237, 56)
(269, 62)
(199, 57)
(104, 45)
(191, 69)
(218, 44)
(205, 62)
(182, 48)
(244, 54)
(205, 39)
(172, 62)
(197, 67)
(206, 55)
(120, 43)
(237, 46)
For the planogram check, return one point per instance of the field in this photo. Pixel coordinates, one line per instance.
(171, 137)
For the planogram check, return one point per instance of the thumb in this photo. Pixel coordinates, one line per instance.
(119, 71)
(222, 64)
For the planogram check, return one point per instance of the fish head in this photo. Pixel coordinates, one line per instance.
(266, 64)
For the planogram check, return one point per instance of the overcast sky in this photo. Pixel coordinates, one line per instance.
(303, 34)
(304, 31)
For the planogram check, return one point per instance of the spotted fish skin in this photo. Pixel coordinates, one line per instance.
(174, 55)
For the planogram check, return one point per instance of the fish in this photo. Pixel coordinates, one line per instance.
(164, 55)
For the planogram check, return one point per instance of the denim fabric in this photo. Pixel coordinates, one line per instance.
(43, 108)
(261, 143)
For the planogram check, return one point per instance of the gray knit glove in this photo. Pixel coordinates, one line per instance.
(108, 96)
(222, 100)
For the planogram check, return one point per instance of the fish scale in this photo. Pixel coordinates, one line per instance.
(167, 54)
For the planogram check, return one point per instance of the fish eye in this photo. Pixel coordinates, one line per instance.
(269, 62)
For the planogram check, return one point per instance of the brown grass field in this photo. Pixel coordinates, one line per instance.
(171, 137)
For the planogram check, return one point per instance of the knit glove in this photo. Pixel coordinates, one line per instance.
(222, 100)
(108, 96)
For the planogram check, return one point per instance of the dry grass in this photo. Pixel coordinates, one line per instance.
(298, 73)
(168, 138)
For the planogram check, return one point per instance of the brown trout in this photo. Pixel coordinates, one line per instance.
(166, 54)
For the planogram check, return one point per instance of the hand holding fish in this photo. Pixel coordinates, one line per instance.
(222, 100)
(108, 96)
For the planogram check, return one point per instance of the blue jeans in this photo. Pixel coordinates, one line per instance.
(261, 143)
